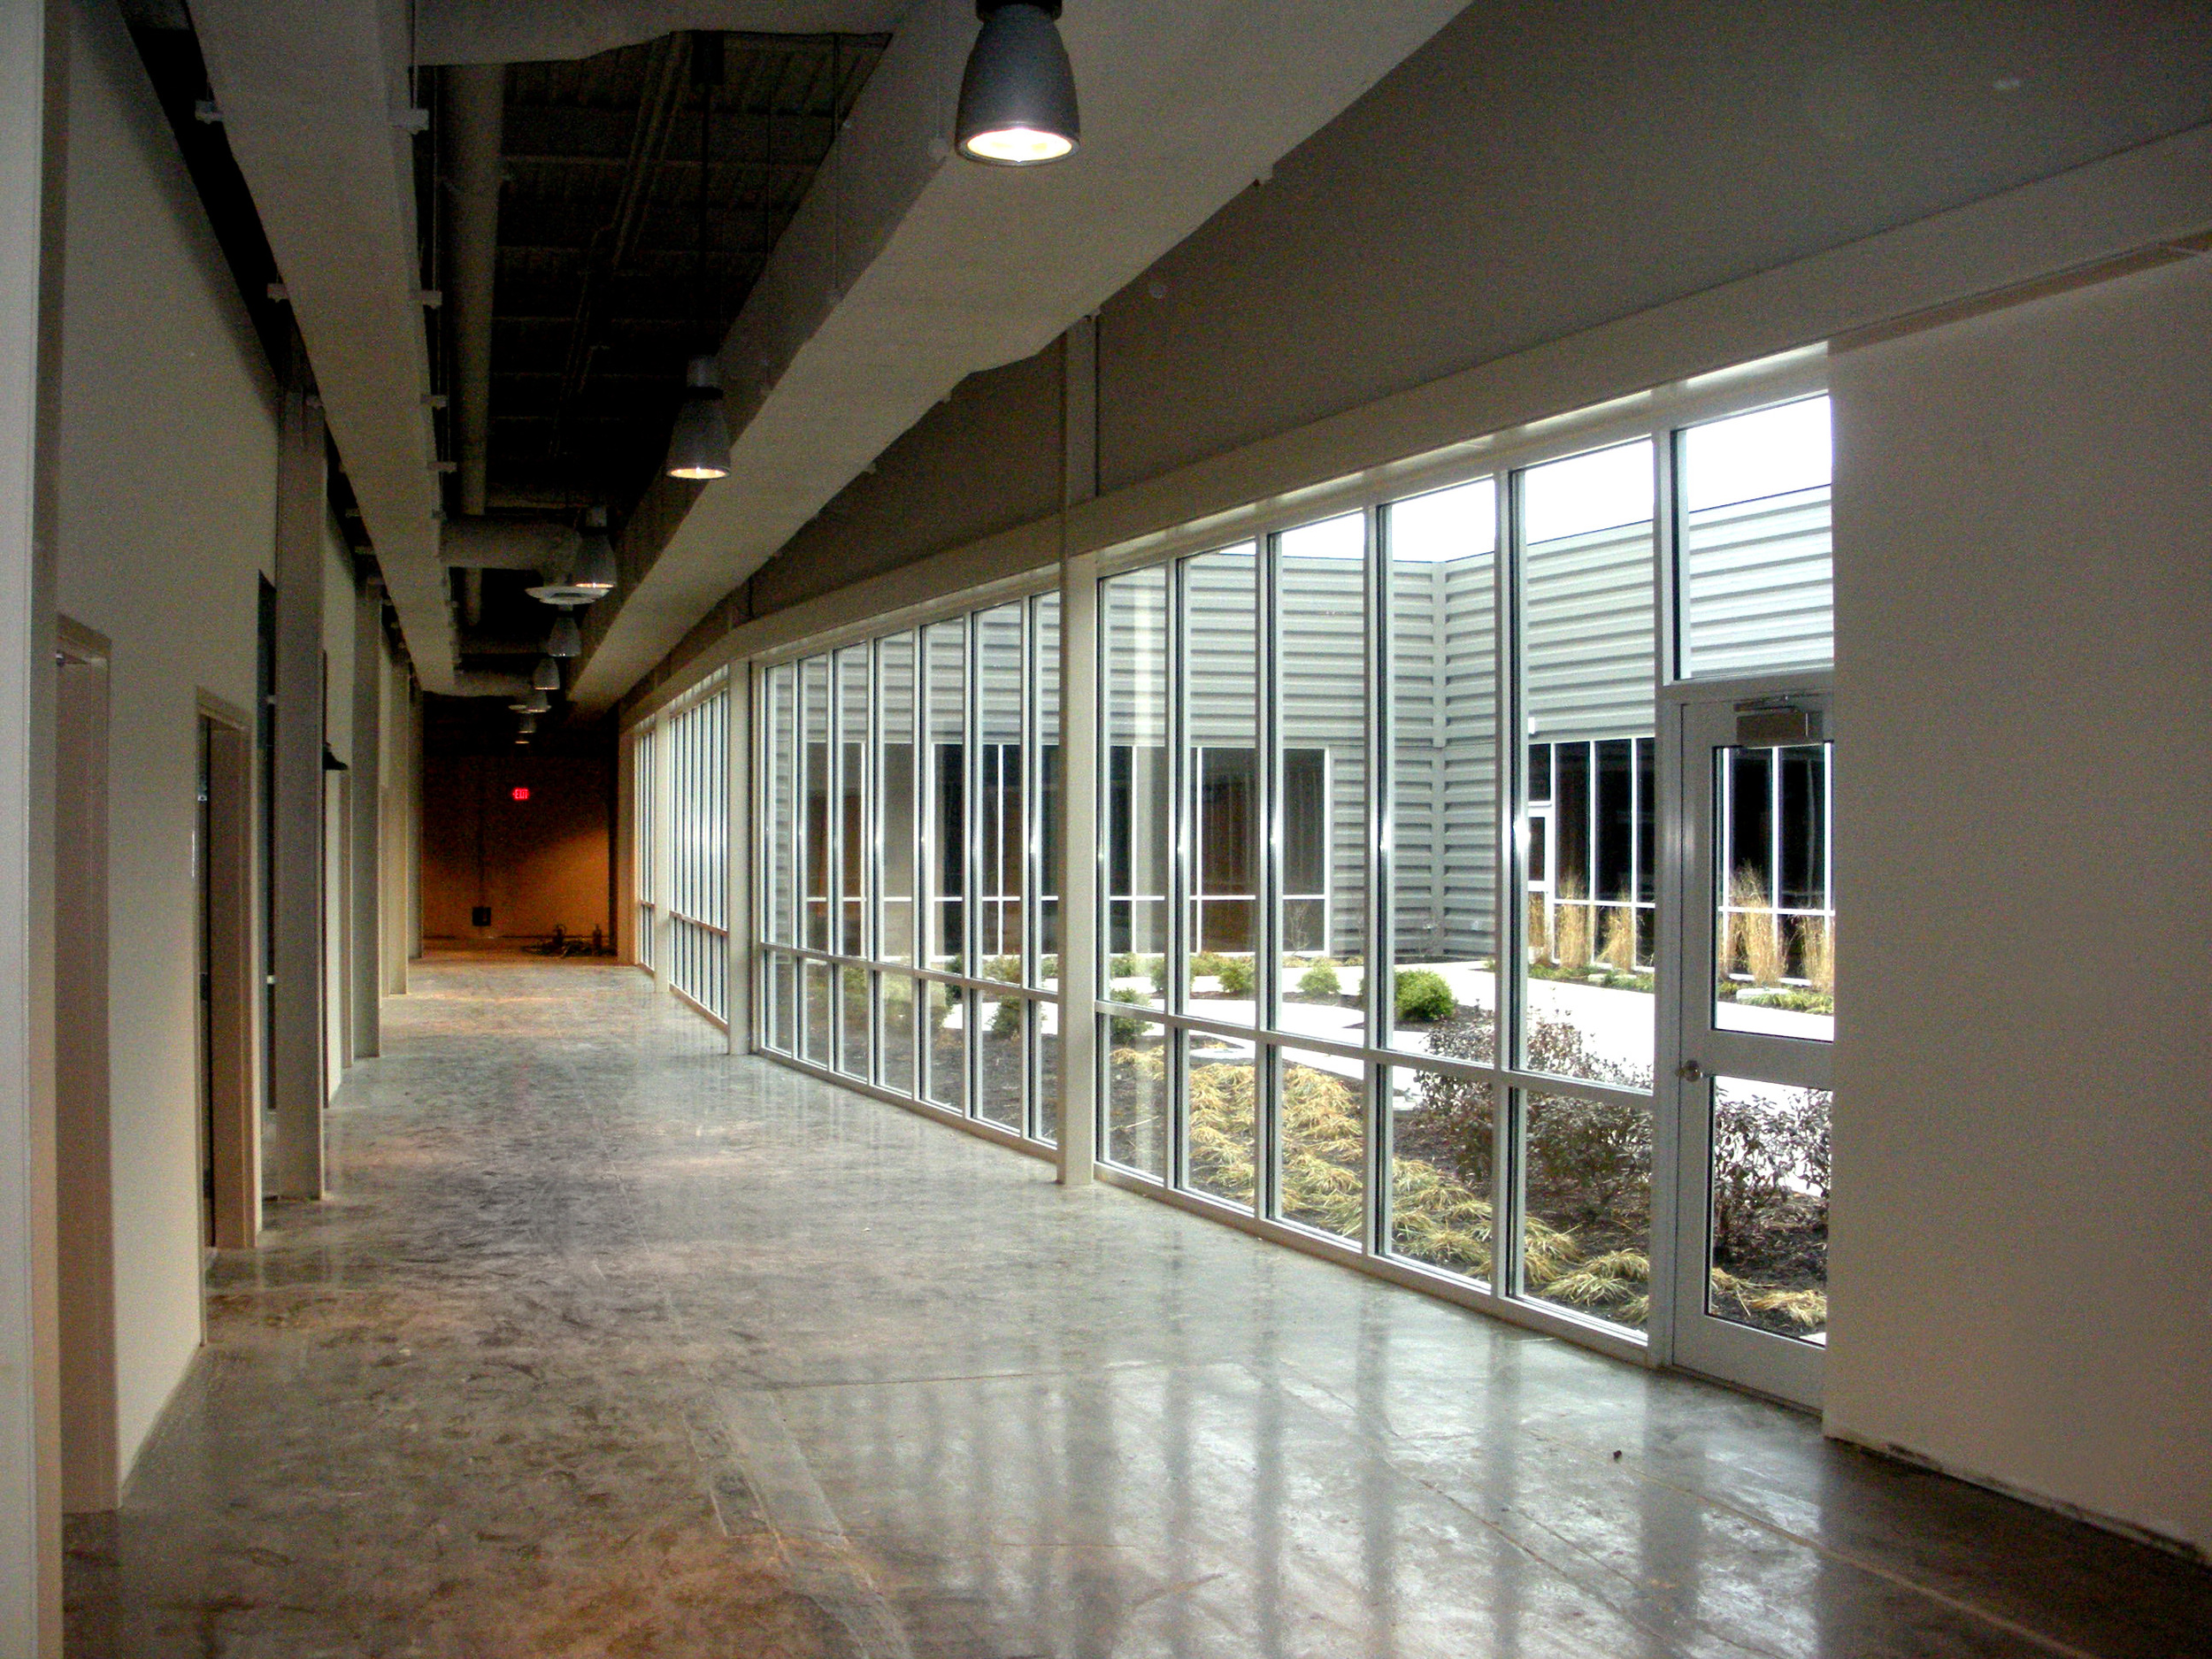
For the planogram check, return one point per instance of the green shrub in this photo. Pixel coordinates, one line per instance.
(1007, 1020)
(1321, 979)
(1424, 996)
(1236, 976)
(1006, 970)
(1209, 964)
(1128, 1029)
(1048, 967)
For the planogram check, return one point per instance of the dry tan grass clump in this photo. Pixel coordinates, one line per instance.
(1619, 950)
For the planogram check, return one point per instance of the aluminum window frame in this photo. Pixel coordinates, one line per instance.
(1659, 415)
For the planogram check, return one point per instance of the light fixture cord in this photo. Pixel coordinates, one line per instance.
(699, 261)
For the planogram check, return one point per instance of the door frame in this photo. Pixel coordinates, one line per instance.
(229, 1059)
(1683, 1336)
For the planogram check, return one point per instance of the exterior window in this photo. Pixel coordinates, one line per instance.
(1376, 826)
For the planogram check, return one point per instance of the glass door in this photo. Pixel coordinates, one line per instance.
(1757, 1023)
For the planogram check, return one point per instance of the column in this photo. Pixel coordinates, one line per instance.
(368, 813)
(295, 946)
(1078, 768)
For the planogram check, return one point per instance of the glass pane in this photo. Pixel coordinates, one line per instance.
(779, 1003)
(1323, 1142)
(1221, 1151)
(1585, 529)
(1136, 1094)
(946, 1054)
(1321, 730)
(899, 1013)
(814, 691)
(1135, 806)
(781, 684)
(1044, 1115)
(852, 1058)
(1443, 1152)
(1775, 926)
(1756, 592)
(1586, 1233)
(1222, 763)
(1001, 852)
(1003, 1057)
(1444, 766)
(855, 848)
(1044, 620)
(895, 795)
(1768, 1234)
(946, 644)
(816, 1012)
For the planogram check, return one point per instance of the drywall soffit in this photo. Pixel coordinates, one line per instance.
(905, 271)
(314, 99)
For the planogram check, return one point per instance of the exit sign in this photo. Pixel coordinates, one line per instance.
(521, 792)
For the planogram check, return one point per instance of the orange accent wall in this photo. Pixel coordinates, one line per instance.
(544, 860)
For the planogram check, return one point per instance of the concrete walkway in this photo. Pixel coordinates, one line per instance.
(608, 1345)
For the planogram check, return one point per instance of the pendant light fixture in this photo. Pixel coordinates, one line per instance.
(547, 676)
(591, 567)
(565, 639)
(536, 703)
(1018, 99)
(699, 445)
(594, 569)
(699, 448)
(528, 722)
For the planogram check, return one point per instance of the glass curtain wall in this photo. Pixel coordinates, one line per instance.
(698, 744)
(1321, 752)
(906, 935)
(1378, 799)
(643, 843)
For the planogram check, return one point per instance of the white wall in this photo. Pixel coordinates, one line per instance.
(168, 478)
(2022, 1220)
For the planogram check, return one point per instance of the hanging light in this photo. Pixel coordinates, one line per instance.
(593, 571)
(1018, 99)
(699, 448)
(565, 639)
(547, 675)
(699, 445)
(590, 564)
(529, 723)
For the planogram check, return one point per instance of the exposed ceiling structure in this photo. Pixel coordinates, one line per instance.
(493, 225)
(635, 196)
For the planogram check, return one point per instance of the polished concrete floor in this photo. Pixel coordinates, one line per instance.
(608, 1345)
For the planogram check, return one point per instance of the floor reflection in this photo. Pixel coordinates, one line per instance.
(607, 1344)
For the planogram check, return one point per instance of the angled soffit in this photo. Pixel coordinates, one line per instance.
(906, 271)
(314, 99)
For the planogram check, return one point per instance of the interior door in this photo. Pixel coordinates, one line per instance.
(1757, 1013)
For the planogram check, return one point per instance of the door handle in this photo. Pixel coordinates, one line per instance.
(1690, 1071)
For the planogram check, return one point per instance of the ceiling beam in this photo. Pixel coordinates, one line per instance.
(539, 31)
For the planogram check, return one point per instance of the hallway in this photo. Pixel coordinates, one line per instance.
(607, 1344)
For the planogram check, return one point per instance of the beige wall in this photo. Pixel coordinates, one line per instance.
(545, 860)
(2023, 1221)
(168, 478)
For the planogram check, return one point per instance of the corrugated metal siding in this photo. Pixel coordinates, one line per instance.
(1759, 586)
(1588, 634)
